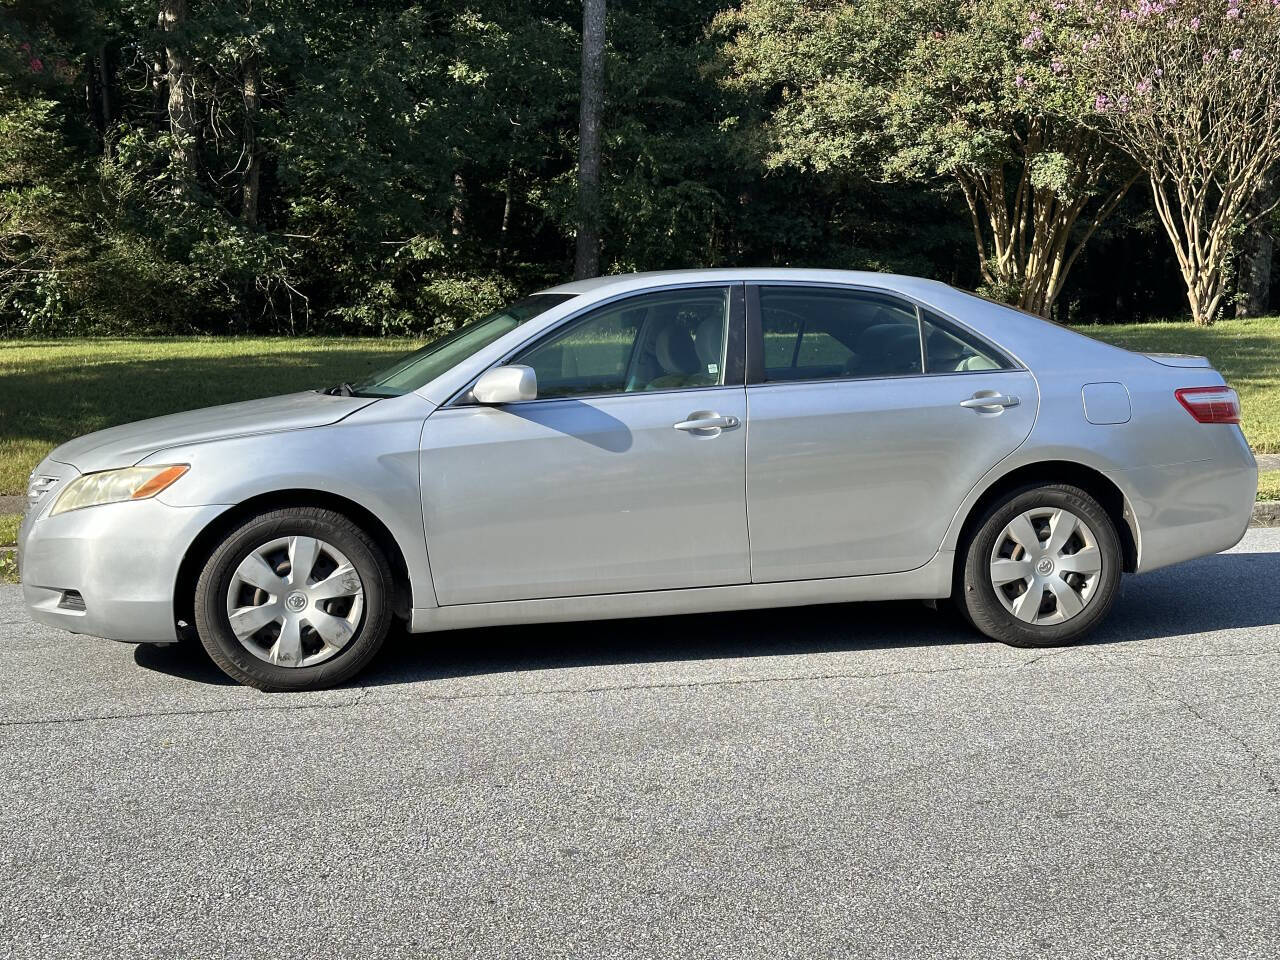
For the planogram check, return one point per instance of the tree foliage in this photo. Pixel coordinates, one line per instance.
(316, 165)
(1190, 89)
(934, 91)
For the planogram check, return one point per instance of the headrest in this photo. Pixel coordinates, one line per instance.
(889, 348)
(675, 350)
(883, 337)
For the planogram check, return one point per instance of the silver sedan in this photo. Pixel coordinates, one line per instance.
(651, 444)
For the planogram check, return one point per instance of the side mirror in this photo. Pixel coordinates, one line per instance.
(506, 385)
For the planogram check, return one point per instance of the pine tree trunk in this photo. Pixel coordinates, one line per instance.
(458, 218)
(106, 77)
(172, 20)
(587, 256)
(253, 169)
(504, 230)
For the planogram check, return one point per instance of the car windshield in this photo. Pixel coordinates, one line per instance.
(426, 363)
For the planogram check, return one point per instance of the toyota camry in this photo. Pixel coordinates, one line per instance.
(650, 444)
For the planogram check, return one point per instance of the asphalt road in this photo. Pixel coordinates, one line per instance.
(863, 780)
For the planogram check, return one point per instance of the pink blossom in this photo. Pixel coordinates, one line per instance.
(1237, 53)
(36, 65)
(1019, 81)
(1195, 23)
(1032, 38)
(1143, 88)
(24, 47)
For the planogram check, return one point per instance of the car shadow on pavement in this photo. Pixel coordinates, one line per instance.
(1226, 591)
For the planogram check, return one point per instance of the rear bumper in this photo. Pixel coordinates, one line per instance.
(1188, 510)
(122, 559)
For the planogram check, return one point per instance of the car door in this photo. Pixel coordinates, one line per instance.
(625, 474)
(867, 428)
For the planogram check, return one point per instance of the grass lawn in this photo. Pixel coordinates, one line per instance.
(1245, 352)
(1269, 485)
(52, 391)
(8, 534)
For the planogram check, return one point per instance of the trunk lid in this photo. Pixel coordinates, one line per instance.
(1179, 360)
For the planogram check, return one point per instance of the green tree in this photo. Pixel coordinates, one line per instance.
(934, 91)
(315, 165)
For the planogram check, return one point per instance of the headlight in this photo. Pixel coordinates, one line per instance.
(114, 486)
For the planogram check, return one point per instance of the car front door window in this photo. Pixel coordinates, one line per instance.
(672, 340)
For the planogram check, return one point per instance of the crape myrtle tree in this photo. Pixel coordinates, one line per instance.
(1190, 89)
(935, 91)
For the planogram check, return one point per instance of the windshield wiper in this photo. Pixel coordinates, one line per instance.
(341, 390)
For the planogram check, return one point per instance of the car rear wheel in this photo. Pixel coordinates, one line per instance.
(294, 599)
(1043, 567)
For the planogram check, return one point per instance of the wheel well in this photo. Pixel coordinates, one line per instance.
(1096, 484)
(207, 541)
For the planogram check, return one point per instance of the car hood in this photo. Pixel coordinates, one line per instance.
(125, 445)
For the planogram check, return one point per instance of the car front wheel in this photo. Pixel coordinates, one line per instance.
(294, 599)
(1042, 568)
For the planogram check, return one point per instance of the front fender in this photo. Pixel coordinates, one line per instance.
(371, 458)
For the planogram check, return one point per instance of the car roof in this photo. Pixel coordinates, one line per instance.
(636, 281)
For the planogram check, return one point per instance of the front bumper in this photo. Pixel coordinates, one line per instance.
(121, 559)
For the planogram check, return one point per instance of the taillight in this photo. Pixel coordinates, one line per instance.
(1210, 404)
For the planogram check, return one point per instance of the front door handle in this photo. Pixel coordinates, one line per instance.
(980, 401)
(707, 421)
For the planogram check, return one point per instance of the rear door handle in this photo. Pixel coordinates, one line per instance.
(711, 422)
(978, 402)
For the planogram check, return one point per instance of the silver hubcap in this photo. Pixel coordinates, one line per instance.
(1045, 565)
(295, 601)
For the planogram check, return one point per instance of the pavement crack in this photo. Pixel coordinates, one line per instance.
(206, 711)
(1256, 759)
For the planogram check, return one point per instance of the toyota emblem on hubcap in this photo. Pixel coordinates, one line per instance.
(1044, 567)
(296, 601)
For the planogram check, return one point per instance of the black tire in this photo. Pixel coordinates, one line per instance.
(225, 649)
(978, 597)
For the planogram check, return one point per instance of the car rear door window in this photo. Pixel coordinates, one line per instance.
(817, 334)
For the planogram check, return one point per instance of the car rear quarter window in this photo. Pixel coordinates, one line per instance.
(948, 349)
